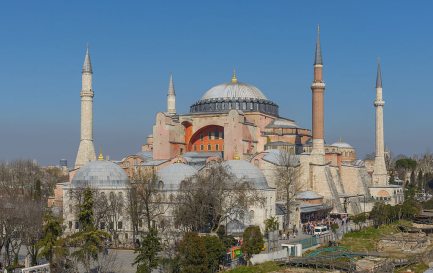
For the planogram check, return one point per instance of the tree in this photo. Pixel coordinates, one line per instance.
(51, 244)
(271, 224)
(287, 173)
(212, 197)
(404, 166)
(253, 242)
(147, 257)
(89, 241)
(215, 251)
(359, 219)
(146, 200)
(192, 254)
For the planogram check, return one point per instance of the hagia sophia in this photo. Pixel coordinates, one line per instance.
(236, 124)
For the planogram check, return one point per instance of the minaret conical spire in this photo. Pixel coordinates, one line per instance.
(171, 97)
(171, 90)
(87, 66)
(318, 55)
(379, 76)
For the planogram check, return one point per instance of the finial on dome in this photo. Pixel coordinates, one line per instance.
(101, 156)
(341, 139)
(236, 155)
(234, 78)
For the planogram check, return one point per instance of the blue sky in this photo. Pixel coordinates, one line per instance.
(135, 45)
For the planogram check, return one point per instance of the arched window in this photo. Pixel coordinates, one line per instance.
(160, 185)
(241, 216)
(251, 215)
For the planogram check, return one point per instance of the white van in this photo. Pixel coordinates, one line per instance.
(320, 230)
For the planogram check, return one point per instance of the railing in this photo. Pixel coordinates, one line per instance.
(43, 268)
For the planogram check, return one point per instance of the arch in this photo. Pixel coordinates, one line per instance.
(207, 137)
(251, 215)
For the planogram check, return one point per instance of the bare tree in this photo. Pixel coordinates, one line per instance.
(287, 174)
(147, 199)
(211, 197)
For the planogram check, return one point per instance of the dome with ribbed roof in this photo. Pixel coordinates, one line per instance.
(100, 174)
(234, 90)
(244, 170)
(237, 96)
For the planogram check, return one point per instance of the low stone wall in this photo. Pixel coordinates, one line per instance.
(406, 242)
(266, 257)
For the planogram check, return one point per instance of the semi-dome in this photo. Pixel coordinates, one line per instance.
(242, 169)
(100, 174)
(234, 95)
(173, 175)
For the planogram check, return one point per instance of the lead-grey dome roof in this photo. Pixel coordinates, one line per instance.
(100, 174)
(234, 90)
(242, 169)
(174, 174)
(341, 144)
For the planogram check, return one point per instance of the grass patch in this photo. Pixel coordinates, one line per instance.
(367, 238)
(261, 268)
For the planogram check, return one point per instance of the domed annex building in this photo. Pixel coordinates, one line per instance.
(238, 125)
(110, 186)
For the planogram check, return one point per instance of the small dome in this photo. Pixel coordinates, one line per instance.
(308, 195)
(147, 155)
(341, 144)
(242, 169)
(234, 90)
(174, 174)
(100, 174)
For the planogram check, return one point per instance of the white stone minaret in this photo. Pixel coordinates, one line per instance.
(171, 98)
(86, 151)
(380, 175)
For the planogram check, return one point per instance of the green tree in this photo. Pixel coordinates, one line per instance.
(271, 224)
(253, 242)
(192, 254)
(85, 213)
(359, 219)
(147, 257)
(51, 243)
(89, 241)
(215, 251)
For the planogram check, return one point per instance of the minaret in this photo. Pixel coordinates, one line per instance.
(379, 172)
(171, 98)
(86, 151)
(318, 89)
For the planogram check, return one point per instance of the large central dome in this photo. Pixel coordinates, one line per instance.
(234, 90)
(234, 96)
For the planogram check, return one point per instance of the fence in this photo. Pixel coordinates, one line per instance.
(44, 268)
(309, 242)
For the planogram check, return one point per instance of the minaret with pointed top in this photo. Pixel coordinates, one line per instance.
(86, 150)
(380, 175)
(318, 90)
(171, 97)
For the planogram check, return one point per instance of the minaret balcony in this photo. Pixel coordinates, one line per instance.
(379, 103)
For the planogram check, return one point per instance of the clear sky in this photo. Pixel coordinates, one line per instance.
(135, 45)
